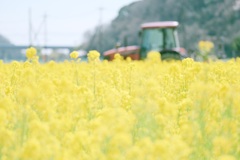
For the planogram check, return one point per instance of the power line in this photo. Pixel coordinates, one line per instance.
(42, 26)
(30, 26)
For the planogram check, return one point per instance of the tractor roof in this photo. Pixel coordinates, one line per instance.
(161, 24)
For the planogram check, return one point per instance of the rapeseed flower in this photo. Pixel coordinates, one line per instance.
(74, 55)
(93, 56)
(205, 48)
(154, 56)
(124, 110)
(118, 57)
(31, 53)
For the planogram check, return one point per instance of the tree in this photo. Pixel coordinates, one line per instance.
(236, 46)
(214, 20)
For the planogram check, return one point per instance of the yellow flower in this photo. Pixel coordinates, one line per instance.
(93, 56)
(31, 52)
(78, 60)
(154, 56)
(226, 157)
(128, 59)
(74, 54)
(122, 110)
(118, 57)
(205, 46)
(35, 60)
(6, 137)
(31, 149)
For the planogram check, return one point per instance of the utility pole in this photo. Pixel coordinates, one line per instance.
(30, 26)
(100, 29)
(45, 30)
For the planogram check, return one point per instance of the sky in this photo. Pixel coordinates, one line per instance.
(54, 22)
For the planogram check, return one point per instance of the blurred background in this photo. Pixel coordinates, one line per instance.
(57, 27)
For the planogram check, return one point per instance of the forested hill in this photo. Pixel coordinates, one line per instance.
(9, 54)
(216, 20)
(4, 41)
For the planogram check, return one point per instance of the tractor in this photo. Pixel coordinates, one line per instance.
(154, 36)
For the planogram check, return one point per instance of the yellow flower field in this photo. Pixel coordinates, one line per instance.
(120, 110)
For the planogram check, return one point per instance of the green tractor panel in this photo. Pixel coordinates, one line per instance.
(154, 36)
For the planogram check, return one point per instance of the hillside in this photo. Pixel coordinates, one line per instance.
(215, 20)
(4, 41)
(8, 54)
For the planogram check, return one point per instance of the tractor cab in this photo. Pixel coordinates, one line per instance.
(154, 36)
(162, 37)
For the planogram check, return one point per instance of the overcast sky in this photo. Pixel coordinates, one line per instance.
(66, 20)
